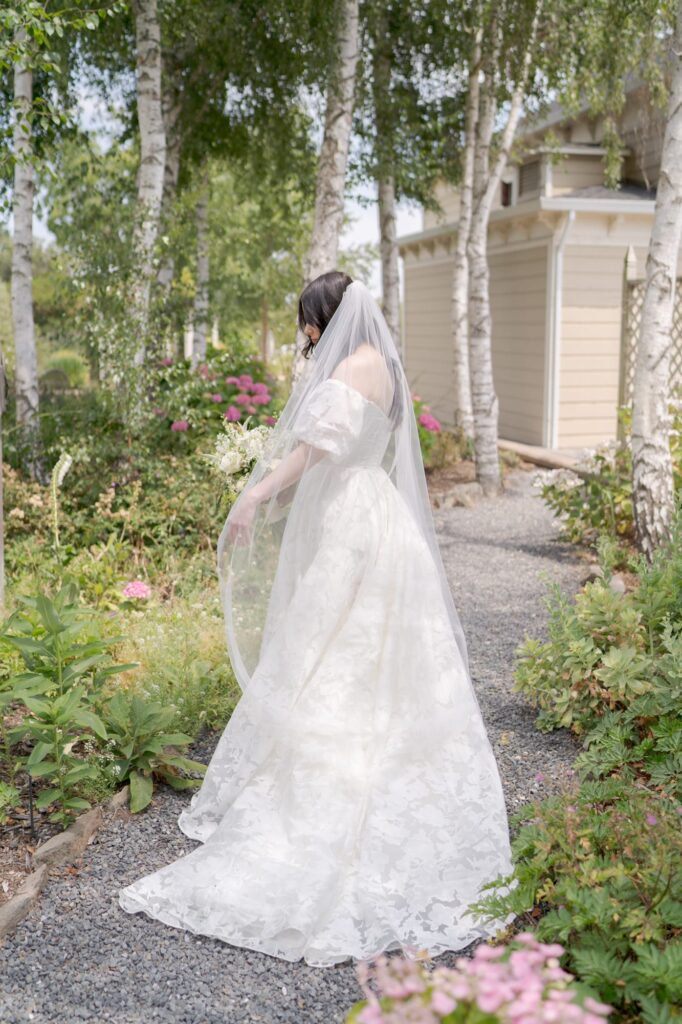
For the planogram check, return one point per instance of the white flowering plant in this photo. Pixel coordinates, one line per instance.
(237, 449)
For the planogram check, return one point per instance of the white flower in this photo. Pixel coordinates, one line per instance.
(230, 463)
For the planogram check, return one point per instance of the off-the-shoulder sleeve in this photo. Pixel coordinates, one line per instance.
(331, 418)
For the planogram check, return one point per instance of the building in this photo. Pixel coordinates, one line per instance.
(558, 239)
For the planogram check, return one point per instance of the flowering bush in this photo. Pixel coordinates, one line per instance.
(427, 426)
(498, 985)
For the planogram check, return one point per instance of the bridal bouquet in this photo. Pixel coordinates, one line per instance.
(237, 450)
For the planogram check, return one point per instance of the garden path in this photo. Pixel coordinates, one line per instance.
(79, 957)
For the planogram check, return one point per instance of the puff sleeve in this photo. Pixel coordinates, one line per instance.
(331, 419)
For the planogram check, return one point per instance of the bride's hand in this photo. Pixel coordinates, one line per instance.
(241, 520)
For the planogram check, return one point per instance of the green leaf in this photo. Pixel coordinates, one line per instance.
(91, 721)
(47, 797)
(40, 751)
(141, 790)
(43, 768)
(48, 614)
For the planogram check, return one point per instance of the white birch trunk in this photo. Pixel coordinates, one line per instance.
(463, 414)
(27, 396)
(151, 171)
(171, 115)
(388, 248)
(652, 471)
(331, 171)
(486, 183)
(201, 321)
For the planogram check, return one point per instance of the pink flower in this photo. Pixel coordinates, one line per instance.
(178, 425)
(166, 361)
(271, 420)
(233, 413)
(259, 388)
(232, 380)
(651, 819)
(539, 777)
(159, 412)
(260, 398)
(442, 1003)
(203, 369)
(251, 408)
(245, 380)
(429, 422)
(243, 399)
(217, 397)
(137, 589)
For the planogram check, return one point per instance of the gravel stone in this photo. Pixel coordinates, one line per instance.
(78, 956)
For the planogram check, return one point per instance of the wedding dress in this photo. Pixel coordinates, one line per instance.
(353, 803)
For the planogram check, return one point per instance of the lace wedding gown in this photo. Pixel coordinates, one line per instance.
(353, 803)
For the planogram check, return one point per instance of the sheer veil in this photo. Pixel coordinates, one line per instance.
(370, 421)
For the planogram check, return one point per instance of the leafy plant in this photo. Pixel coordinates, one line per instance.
(603, 863)
(139, 741)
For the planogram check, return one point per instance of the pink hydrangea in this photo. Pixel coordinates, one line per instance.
(179, 425)
(245, 380)
(260, 398)
(233, 413)
(429, 422)
(259, 388)
(232, 380)
(217, 397)
(251, 409)
(137, 589)
(270, 420)
(243, 399)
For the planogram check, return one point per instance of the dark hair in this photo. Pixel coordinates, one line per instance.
(319, 301)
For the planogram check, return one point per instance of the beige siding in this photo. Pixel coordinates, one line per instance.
(518, 294)
(590, 343)
(448, 197)
(518, 301)
(576, 172)
(428, 345)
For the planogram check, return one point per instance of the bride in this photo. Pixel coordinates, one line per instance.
(353, 803)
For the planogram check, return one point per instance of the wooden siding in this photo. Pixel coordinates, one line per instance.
(518, 303)
(576, 172)
(518, 297)
(590, 343)
(428, 343)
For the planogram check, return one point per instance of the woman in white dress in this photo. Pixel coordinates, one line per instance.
(353, 803)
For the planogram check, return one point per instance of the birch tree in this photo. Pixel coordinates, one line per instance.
(201, 325)
(26, 385)
(652, 470)
(502, 70)
(150, 179)
(333, 161)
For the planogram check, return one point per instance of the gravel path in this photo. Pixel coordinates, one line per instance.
(79, 957)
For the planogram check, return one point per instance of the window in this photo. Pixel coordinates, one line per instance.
(529, 178)
(506, 193)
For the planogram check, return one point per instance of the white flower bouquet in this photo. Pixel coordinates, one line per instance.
(237, 450)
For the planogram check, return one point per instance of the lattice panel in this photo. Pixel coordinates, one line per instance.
(632, 320)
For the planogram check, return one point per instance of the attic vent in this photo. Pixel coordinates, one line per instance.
(529, 178)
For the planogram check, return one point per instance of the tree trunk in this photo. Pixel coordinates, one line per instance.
(26, 373)
(201, 321)
(486, 183)
(264, 329)
(150, 178)
(463, 411)
(331, 171)
(388, 247)
(171, 116)
(652, 471)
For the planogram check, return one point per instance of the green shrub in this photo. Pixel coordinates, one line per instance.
(602, 862)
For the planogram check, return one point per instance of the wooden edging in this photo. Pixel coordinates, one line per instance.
(65, 847)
